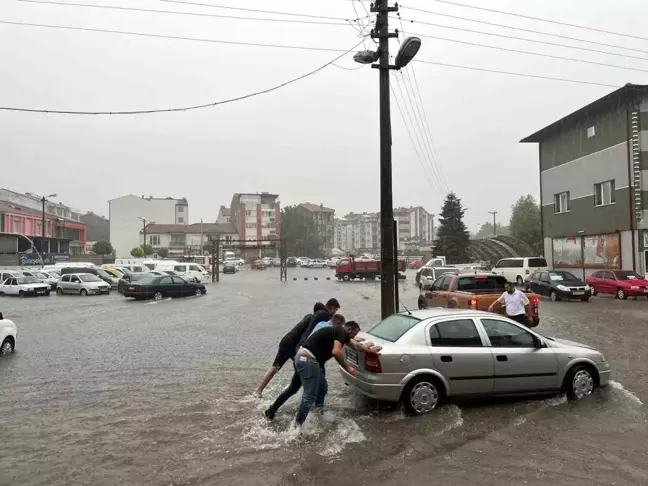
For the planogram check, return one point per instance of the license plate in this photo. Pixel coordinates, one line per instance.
(131, 288)
(579, 293)
(40, 292)
(352, 356)
(646, 291)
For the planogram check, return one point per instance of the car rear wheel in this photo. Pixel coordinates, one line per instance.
(84, 292)
(579, 382)
(21, 294)
(158, 296)
(198, 292)
(7, 346)
(421, 395)
(554, 296)
(621, 294)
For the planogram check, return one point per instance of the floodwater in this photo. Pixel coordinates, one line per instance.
(106, 391)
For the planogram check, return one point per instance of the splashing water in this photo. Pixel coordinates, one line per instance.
(626, 393)
(455, 418)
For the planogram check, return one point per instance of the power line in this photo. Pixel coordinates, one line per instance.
(274, 12)
(172, 37)
(511, 73)
(493, 24)
(550, 56)
(540, 19)
(554, 44)
(186, 108)
(193, 14)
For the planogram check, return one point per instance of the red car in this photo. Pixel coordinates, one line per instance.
(622, 283)
(415, 265)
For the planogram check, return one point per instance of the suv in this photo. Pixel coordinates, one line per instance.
(82, 284)
(517, 269)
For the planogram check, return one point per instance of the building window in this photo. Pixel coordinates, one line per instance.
(180, 219)
(154, 240)
(181, 209)
(604, 193)
(250, 212)
(561, 202)
(17, 225)
(591, 131)
(250, 225)
(178, 240)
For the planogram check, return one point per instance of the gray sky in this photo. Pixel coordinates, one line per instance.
(315, 140)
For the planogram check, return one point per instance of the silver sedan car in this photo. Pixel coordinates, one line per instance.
(432, 354)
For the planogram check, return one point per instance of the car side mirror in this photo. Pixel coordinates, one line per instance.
(539, 343)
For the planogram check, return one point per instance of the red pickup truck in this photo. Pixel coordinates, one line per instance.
(473, 291)
(350, 269)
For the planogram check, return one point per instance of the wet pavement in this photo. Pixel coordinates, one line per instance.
(107, 391)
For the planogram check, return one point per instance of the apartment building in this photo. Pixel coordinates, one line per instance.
(98, 227)
(594, 184)
(256, 216)
(358, 232)
(127, 215)
(186, 239)
(323, 220)
(224, 215)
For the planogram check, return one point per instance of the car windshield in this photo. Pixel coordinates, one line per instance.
(40, 275)
(27, 280)
(561, 276)
(103, 274)
(627, 275)
(55, 274)
(392, 328)
(88, 277)
(477, 283)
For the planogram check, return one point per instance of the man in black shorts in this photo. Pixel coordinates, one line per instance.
(287, 349)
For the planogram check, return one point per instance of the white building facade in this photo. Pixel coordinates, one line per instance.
(127, 213)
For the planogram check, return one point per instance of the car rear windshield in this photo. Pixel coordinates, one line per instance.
(627, 275)
(392, 328)
(537, 262)
(480, 283)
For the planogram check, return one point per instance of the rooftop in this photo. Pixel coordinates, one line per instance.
(613, 99)
(182, 200)
(10, 207)
(222, 228)
(316, 207)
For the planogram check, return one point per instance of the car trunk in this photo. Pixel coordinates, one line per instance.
(358, 360)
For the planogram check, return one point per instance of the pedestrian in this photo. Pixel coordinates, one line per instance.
(321, 315)
(515, 303)
(311, 358)
(337, 320)
(287, 348)
(453, 303)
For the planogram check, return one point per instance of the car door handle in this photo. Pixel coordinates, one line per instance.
(446, 359)
(502, 357)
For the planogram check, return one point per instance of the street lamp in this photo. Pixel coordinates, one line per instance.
(43, 200)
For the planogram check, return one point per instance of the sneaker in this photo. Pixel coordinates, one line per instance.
(269, 415)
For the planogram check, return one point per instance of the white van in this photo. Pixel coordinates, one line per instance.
(517, 269)
(149, 263)
(189, 271)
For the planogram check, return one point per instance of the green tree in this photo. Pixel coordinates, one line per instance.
(102, 248)
(137, 252)
(300, 234)
(453, 237)
(525, 222)
(162, 252)
(486, 230)
(147, 250)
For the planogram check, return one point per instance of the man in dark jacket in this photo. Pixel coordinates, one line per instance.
(323, 315)
(288, 346)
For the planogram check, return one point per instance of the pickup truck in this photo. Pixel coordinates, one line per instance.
(473, 291)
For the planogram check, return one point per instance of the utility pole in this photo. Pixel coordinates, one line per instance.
(144, 231)
(387, 280)
(494, 213)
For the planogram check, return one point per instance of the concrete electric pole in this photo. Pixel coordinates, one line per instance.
(494, 213)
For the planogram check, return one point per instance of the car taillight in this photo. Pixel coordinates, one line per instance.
(473, 304)
(535, 301)
(372, 363)
(139, 289)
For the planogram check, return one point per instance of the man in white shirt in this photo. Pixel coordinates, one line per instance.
(516, 304)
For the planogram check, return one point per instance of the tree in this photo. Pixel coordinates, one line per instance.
(102, 248)
(137, 252)
(300, 234)
(486, 230)
(162, 252)
(453, 237)
(525, 222)
(147, 250)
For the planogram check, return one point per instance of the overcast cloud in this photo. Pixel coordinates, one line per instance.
(316, 140)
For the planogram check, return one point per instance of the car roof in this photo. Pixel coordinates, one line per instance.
(435, 312)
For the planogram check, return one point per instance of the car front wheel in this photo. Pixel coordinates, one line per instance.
(579, 382)
(621, 294)
(59, 291)
(7, 346)
(421, 395)
(198, 292)
(554, 296)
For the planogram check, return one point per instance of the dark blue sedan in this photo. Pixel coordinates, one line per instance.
(159, 288)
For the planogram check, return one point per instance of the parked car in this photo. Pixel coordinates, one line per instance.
(258, 265)
(24, 286)
(317, 264)
(621, 283)
(430, 355)
(558, 285)
(230, 267)
(426, 276)
(42, 277)
(96, 271)
(188, 271)
(160, 287)
(172, 273)
(82, 284)
(516, 269)
(415, 265)
(8, 336)
(291, 262)
(5, 274)
(304, 262)
(332, 262)
(129, 278)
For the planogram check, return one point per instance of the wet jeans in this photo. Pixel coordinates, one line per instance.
(293, 387)
(315, 387)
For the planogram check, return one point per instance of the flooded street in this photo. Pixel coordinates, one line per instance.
(106, 391)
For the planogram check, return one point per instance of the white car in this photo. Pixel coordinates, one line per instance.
(8, 336)
(517, 269)
(82, 284)
(43, 277)
(24, 286)
(317, 264)
(305, 262)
